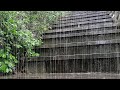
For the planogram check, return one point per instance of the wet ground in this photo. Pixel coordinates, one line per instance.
(63, 76)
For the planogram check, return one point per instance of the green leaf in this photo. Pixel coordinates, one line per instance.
(3, 67)
(7, 70)
(11, 65)
(18, 46)
(4, 55)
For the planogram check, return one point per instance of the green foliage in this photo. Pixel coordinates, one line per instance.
(7, 61)
(15, 42)
(20, 32)
(39, 21)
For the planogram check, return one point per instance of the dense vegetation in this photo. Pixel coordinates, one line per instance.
(20, 32)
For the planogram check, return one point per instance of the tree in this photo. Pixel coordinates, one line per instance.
(40, 21)
(20, 32)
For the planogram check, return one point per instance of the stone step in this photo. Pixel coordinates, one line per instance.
(81, 39)
(81, 27)
(80, 33)
(75, 44)
(84, 15)
(81, 23)
(75, 13)
(106, 48)
(77, 56)
(83, 19)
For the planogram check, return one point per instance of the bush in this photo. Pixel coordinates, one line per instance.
(20, 32)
